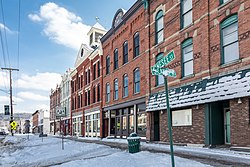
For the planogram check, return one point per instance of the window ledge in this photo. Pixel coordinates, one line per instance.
(158, 44)
(158, 86)
(124, 97)
(187, 77)
(185, 28)
(136, 93)
(230, 63)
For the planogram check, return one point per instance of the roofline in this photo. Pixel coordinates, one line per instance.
(126, 16)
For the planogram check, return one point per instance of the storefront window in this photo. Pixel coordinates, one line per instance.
(142, 126)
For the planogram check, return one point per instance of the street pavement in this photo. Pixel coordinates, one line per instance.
(213, 156)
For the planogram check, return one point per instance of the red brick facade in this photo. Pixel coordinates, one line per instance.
(206, 35)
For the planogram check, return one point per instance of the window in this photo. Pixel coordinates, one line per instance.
(93, 94)
(125, 85)
(159, 78)
(94, 72)
(159, 27)
(115, 59)
(229, 39)
(98, 92)
(182, 117)
(125, 52)
(88, 97)
(88, 76)
(90, 39)
(187, 57)
(107, 65)
(97, 36)
(223, 1)
(136, 80)
(78, 101)
(136, 44)
(82, 51)
(186, 13)
(107, 92)
(98, 69)
(116, 89)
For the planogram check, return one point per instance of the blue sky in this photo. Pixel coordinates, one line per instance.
(51, 33)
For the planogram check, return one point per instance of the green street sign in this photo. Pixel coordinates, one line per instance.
(165, 60)
(163, 71)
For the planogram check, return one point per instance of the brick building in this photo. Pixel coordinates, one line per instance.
(55, 96)
(35, 121)
(125, 63)
(86, 86)
(209, 98)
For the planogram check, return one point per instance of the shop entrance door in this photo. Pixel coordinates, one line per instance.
(227, 125)
(156, 126)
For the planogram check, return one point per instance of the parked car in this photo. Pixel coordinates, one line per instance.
(2, 133)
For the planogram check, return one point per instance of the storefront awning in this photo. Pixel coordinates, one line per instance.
(225, 87)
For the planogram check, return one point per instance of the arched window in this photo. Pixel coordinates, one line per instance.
(136, 44)
(107, 65)
(125, 52)
(125, 85)
(136, 80)
(187, 57)
(116, 89)
(159, 78)
(159, 27)
(115, 59)
(107, 92)
(229, 40)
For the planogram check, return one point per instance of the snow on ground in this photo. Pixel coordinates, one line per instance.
(48, 152)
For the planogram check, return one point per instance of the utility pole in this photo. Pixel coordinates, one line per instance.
(11, 105)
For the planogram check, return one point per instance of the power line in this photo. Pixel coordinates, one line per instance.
(4, 29)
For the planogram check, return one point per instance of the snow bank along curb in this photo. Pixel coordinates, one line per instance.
(222, 156)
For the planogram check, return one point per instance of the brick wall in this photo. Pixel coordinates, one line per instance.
(135, 23)
(194, 134)
(240, 123)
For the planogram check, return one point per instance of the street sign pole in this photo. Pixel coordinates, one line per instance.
(169, 122)
(158, 69)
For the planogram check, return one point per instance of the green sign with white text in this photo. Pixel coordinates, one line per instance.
(165, 60)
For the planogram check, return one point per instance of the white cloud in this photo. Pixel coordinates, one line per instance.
(32, 96)
(6, 99)
(61, 25)
(3, 27)
(4, 79)
(40, 81)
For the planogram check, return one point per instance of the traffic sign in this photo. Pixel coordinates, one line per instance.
(13, 125)
(163, 71)
(165, 60)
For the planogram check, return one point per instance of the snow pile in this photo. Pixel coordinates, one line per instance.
(48, 152)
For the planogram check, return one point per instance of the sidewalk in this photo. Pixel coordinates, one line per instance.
(214, 156)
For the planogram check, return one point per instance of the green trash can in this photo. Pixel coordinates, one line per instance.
(133, 143)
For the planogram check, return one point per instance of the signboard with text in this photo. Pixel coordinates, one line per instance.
(60, 112)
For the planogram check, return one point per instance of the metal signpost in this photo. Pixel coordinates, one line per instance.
(158, 69)
(61, 112)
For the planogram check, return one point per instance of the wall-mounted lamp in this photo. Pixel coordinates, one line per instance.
(197, 107)
(161, 111)
(239, 101)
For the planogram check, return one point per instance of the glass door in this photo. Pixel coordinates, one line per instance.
(227, 126)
